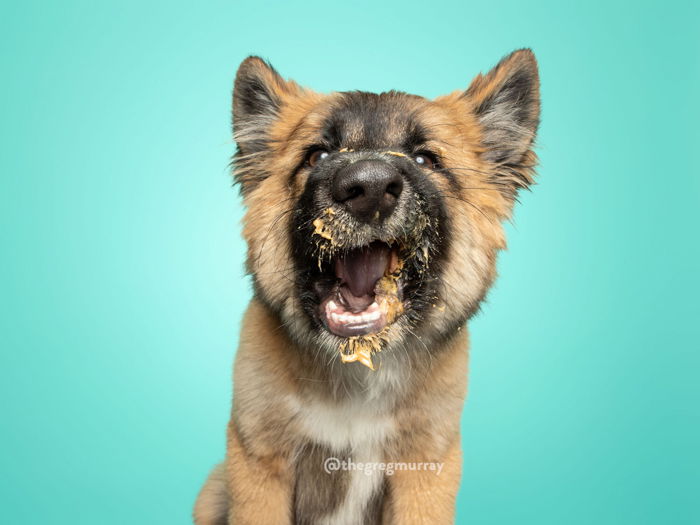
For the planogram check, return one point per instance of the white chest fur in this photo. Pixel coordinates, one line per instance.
(350, 426)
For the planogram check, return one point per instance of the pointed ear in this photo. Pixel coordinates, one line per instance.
(506, 103)
(258, 94)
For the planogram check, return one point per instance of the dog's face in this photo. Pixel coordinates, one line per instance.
(373, 220)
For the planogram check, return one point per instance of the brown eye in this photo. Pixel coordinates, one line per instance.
(316, 156)
(425, 160)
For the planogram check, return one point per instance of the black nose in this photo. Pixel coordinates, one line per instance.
(369, 189)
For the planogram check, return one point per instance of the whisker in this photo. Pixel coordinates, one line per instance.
(466, 201)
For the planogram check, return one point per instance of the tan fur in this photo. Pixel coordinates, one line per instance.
(260, 486)
(423, 497)
(275, 381)
(211, 507)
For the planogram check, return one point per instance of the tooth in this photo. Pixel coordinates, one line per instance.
(332, 305)
(334, 317)
(374, 316)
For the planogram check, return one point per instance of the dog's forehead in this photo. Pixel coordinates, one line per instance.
(362, 120)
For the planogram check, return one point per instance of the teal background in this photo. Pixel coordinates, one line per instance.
(122, 262)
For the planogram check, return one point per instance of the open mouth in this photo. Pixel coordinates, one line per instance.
(367, 294)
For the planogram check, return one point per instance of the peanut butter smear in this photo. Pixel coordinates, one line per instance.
(362, 347)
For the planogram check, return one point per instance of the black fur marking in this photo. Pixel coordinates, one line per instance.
(416, 137)
(370, 121)
(375, 506)
(332, 135)
(518, 91)
(255, 98)
(317, 493)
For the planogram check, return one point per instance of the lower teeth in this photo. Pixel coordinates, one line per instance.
(372, 313)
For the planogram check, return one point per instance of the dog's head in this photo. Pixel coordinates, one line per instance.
(373, 220)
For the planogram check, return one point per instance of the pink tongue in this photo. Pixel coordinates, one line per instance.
(360, 269)
(352, 302)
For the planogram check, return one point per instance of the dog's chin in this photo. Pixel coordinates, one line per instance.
(360, 292)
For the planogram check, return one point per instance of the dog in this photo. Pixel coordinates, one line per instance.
(373, 224)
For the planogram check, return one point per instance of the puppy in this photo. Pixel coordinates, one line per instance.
(373, 224)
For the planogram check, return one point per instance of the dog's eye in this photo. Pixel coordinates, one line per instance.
(424, 159)
(316, 156)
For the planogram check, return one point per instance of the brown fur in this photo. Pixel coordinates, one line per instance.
(269, 468)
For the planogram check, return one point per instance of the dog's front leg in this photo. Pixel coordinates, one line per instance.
(425, 495)
(260, 485)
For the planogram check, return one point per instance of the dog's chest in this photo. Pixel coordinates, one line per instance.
(337, 468)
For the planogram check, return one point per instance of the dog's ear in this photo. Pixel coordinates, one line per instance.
(506, 103)
(258, 93)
